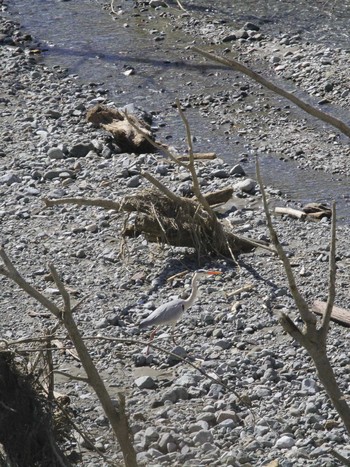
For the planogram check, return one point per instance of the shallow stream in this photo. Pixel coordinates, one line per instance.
(83, 37)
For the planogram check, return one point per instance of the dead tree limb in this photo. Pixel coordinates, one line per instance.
(174, 220)
(312, 338)
(311, 110)
(117, 417)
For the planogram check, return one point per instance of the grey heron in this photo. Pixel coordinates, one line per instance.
(169, 313)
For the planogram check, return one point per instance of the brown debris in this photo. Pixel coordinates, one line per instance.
(179, 223)
(126, 137)
(317, 210)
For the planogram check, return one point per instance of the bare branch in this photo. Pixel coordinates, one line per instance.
(291, 328)
(234, 64)
(307, 316)
(191, 167)
(342, 459)
(332, 275)
(99, 202)
(12, 273)
(118, 420)
(61, 288)
(180, 5)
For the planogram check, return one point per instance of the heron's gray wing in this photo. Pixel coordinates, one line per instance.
(167, 313)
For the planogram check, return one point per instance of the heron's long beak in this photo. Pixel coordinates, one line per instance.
(213, 272)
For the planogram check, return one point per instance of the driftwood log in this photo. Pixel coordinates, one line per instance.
(339, 314)
(177, 222)
(124, 134)
(314, 211)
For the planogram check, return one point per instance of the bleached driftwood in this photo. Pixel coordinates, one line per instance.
(339, 314)
(291, 212)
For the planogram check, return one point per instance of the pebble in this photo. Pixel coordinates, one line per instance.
(9, 179)
(151, 434)
(285, 442)
(227, 415)
(203, 436)
(55, 153)
(134, 182)
(145, 382)
(309, 385)
(178, 353)
(247, 348)
(167, 443)
(220, 173)
(175, 394)
(198, 426)
(237, 170)
(157, 3)
(81, 149)
(246, 186)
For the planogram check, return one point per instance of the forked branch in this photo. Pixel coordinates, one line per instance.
(311, 338)
(117, 418)
(310, 109)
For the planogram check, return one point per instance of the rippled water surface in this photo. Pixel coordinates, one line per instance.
(83, 37)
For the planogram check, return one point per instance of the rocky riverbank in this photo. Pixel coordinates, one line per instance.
(178, 415)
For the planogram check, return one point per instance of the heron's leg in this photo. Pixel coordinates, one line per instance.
(153, 333)
(151, 337)
(172, 333)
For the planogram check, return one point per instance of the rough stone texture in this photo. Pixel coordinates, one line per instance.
(254, 358)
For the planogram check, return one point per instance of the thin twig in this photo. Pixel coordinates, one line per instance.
(332, 275)
(167, 352)
(50, 370)
(191, 167)
(244, 288)
(65, 295)
(180, 5)
(112, 8)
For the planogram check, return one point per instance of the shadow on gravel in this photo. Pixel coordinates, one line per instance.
(26, 427)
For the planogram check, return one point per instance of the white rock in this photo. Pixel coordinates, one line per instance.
(247, 186)
(285, 442)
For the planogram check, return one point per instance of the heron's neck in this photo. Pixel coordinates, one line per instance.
(194, 292)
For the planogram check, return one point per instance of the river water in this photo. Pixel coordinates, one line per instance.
(80, 35)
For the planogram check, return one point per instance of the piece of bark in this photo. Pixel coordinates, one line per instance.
(340, 315)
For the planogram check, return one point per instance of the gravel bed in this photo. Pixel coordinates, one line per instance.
(179, 415)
